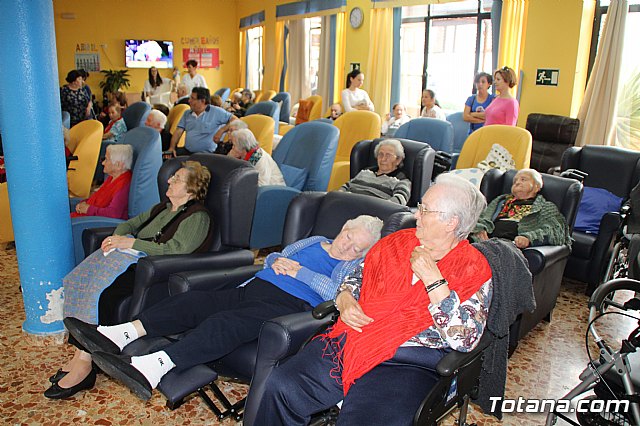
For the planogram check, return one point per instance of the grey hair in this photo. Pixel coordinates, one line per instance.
(535, 175)
(464, 201)
(371, 224)
(121, 153)
(245, 139)
(238, 124)
(158, 117)
(395, 143)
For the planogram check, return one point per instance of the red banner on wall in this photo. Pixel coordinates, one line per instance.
(206, 57)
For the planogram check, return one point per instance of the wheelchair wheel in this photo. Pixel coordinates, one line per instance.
(618, 266)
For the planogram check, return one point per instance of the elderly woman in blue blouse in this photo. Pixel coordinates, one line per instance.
(524, 216)
(305, 274)
(387, 180)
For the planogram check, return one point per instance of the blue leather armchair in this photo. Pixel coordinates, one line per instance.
(285, 107)
(268, 108)
(309, 146)
(223, 92)
(437, 133)
(136, 114)
(460, 130)
(143, 191)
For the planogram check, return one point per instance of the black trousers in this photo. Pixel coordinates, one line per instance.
(309, 383)
(217, 321)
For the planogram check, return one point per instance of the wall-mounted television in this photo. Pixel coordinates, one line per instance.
(148, 53)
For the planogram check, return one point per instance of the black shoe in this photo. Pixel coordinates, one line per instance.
(89, 336)
(59, 375)
(57, 392)
(119, 367)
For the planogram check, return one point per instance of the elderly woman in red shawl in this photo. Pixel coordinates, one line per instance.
(419, 294)
(112, 198)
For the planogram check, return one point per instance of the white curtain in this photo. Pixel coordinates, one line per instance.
(598, 110)
(325, 72)
(298, 69)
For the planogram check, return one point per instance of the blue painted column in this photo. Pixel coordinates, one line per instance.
(34, 157)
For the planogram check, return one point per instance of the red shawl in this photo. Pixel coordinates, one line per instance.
(399, 309)
(103, 196)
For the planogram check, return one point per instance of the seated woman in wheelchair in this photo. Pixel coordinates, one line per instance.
(524, 216)
(419, 294)
(387, 180)
(304, 275)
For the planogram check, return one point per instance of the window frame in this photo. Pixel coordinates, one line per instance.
(479, 15)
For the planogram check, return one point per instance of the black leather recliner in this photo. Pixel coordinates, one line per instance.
(231, 200)
(418, 163)
(617, 170)
(546, 263)
(310, 213)
(552, 135)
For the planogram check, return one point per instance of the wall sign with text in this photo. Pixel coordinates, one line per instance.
(207, 57)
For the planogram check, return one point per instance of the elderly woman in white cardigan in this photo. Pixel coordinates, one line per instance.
(246, 147)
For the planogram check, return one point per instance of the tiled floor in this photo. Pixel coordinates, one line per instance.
(546, 365)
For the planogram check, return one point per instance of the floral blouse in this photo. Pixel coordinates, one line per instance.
(75, 102)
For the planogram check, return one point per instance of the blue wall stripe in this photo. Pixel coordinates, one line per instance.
(308, 6)
(251, 20)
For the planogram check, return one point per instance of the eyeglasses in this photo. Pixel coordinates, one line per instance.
(424, 210)
(176, 178)
(387, 156)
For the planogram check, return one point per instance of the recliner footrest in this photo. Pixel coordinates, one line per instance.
(176, 385)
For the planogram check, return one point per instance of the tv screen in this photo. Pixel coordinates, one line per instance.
(148, 53)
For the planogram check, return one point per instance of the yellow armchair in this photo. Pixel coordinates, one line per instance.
(174, 118)
(258, 96)
(6, 227)
(354, 127)
(477, 146)
(267, 95)
(262, 128)
(85, 139)
(316, 109)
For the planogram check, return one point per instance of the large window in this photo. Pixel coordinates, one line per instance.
(442, 47)
(315, 32)
(255, 69)
(628, 108)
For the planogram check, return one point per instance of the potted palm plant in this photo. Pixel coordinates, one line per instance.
(114, 80)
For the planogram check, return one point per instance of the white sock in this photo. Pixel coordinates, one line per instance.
(153, 366)
(121, 334)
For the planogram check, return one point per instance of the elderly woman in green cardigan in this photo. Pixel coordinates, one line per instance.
(523, 216)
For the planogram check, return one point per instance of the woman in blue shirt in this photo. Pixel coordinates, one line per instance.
(476, 104)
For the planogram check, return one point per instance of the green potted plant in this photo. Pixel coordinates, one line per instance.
(114, 80)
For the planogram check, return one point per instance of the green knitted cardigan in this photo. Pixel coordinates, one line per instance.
(544, 225)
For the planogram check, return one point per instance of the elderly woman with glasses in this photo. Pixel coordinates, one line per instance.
(504, 108)
(181, 225)
(524, 216)
(419, 294)
(387, 180)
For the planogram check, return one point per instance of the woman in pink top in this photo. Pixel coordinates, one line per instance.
(504, 108)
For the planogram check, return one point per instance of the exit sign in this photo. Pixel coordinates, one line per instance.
(547, 77)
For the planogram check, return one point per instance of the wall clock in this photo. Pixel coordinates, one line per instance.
(356, 17)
